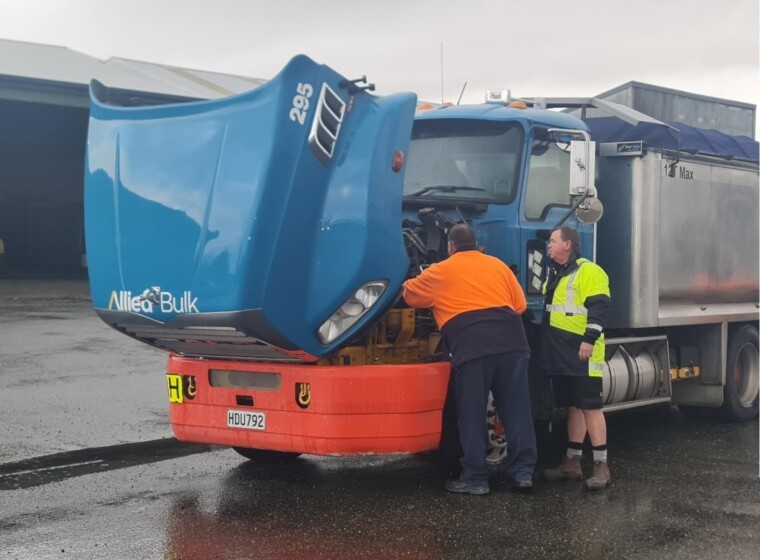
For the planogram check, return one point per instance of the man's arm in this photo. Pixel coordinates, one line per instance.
(599, 308)
(519, 303)
(419, 291)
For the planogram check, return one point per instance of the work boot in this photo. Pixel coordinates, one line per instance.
(570, 469)
(601, 477)
(461, 487)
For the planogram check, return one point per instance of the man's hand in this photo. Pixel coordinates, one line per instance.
(585, 351)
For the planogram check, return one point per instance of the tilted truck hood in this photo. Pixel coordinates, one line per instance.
(237, 227)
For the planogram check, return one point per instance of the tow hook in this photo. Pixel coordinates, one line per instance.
(190, 387)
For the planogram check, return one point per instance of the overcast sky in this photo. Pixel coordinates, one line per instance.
(534, 48)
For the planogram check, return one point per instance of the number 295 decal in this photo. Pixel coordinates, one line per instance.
(301, 102)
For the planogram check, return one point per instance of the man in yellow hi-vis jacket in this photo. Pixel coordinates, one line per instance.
(577, 296)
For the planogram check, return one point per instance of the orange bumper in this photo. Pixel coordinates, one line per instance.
(350, 410)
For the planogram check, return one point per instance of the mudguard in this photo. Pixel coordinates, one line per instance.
(237, 227)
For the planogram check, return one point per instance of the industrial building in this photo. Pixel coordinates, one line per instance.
(43, 129)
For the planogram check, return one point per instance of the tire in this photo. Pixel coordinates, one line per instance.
(740, 393)
(265, 456)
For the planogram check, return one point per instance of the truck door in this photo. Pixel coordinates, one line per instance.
(544, 202)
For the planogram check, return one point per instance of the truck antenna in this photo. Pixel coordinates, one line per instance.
(441, 72)
(461, 93)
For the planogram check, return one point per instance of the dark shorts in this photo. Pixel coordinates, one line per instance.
(582, 392)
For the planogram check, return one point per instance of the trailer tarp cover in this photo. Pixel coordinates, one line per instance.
(692, 139)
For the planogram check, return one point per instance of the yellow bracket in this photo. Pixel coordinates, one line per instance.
(684, 373)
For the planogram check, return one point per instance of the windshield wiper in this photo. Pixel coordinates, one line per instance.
(445, 188)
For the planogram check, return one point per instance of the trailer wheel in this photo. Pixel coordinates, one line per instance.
(265, 456)
(740, 398)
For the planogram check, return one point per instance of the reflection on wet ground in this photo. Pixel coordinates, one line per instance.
(683, 489)
(67, 380)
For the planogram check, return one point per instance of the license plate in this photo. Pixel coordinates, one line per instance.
(246, 419)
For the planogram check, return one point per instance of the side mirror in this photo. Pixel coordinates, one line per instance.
(590, 211)
(582, 160)
(582, 166)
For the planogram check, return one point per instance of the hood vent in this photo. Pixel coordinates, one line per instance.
(326, 124)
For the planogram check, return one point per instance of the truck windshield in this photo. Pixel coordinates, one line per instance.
(464, 159)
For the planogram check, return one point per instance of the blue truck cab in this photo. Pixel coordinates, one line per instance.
(503, 170)
(263, 240)
(279, 224)
(237, 228)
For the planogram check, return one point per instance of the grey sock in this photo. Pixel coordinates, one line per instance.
(600, 455)
(574, 453)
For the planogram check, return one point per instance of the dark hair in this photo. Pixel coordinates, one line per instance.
(571, 235)
(463, 238)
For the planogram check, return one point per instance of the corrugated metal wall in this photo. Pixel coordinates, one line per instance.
(43, 128)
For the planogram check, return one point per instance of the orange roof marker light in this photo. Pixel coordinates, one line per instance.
(518, 105)
(425, 106)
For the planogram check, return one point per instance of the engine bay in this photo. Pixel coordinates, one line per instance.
(403, 334)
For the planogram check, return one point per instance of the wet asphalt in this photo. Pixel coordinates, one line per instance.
(88, 470)
(68, 381)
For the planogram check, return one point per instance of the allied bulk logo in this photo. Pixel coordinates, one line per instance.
(153, 299)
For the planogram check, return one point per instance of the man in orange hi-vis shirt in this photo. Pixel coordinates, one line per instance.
(477, 303)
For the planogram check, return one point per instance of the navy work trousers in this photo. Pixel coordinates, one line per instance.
(506, 376)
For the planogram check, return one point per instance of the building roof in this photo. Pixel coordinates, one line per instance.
(662, 89)
(52, 74)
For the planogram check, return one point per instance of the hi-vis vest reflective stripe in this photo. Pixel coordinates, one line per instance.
(567, 313)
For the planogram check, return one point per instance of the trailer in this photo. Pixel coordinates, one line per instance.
(262, 240)
(685, 268)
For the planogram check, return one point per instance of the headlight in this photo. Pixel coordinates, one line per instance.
(351, 311)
